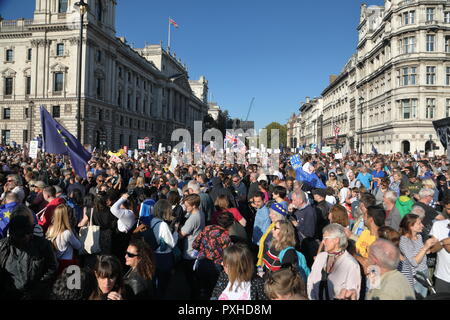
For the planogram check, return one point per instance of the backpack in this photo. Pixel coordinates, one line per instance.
(301, 262)
(150, 237)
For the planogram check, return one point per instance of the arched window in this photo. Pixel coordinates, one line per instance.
(62, 6)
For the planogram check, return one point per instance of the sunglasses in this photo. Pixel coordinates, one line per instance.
(131, 255)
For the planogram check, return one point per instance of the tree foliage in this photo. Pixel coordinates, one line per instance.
(282, 133)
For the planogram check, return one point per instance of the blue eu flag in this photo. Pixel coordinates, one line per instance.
(310, 179)
(57, 140)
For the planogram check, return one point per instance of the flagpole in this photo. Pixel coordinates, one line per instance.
(168, 42)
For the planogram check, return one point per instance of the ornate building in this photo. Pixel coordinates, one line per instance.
(126, 93)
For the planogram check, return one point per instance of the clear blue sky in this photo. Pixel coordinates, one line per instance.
(278, 52)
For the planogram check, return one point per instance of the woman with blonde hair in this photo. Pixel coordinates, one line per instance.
(429, 184)
(63, 238)
(281, 250)
(238, 281)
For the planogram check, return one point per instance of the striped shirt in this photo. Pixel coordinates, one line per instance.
(410, 248)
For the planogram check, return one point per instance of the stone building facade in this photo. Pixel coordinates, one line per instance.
(126, 93)
(396, 83)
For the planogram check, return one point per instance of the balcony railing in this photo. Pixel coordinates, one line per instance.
(15, 25)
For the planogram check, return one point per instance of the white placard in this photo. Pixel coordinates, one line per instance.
(141, 144)
(136, 154)
(276, 151)
(163, 149)
(269, 151)
(430, 154)
(33, 149)
(326, 150)
(338, 156)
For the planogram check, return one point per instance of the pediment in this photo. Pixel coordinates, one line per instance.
(8, 72)
(58, 67)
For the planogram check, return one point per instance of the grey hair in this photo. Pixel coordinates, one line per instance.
(16, 179)
(387, 254)
(419, 211)
(336, 230)
(423, 193)
(391, 196)
(300, 194)
(194, 185)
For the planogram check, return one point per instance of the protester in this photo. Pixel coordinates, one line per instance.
(140, 278)
(109, 278)
(238, 280)
(414, 249)
(63, 239)
(335, 269)
(285, 284)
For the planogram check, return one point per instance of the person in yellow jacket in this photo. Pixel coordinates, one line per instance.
(276, 212)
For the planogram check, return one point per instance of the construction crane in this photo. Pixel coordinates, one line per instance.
(250, 109)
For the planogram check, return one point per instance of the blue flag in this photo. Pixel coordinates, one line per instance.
(310, 179)
(57, 140)
(146, 211)
(5, 214)
(374, 150)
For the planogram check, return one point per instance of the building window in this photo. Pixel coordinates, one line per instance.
(56, 112)
(430, 14)
(100, 115)
(137, 104)
(28, 85)
(99, 56)
(409, 107)
(99, 89)
(121, 139)
(408, 76)
(6, 113)
(62, 6)
(25, 136)
(129, 101)
(431, 108)
(6, 137)
(129, 76)
(408, 45)
(60, 49)
(447, 16)
(119, 98)
(137, 82)
(99, 12)
(447, 44)
(120, 72)
(121, 122)
(431, 75)
(27, 113)
(409, 17)
(8, 86)
(58, 82)
(447, 76)
(430, 43)
(9, 55)
(447, 108)
(29, 54)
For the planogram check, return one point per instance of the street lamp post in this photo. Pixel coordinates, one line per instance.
(82, 6)
(361, 101)
(30, 115)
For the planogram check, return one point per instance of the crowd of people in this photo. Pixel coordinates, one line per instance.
(380, 230)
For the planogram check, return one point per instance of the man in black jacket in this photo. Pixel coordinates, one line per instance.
(28, 264)
(323, 209)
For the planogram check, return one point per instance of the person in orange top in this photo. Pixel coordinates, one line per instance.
(45, 216)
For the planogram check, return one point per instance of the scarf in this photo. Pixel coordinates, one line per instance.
(261, 245)
(331, 260)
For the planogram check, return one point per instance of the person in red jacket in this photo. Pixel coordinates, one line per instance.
(46, 215)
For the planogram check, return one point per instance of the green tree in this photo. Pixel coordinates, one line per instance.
(282, 133)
